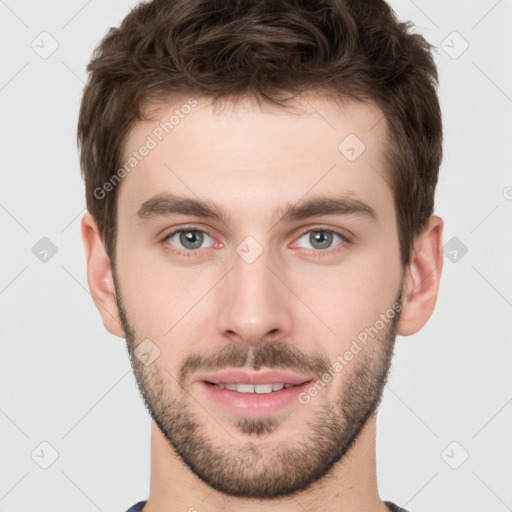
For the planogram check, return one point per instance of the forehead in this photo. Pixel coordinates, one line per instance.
(255, 157)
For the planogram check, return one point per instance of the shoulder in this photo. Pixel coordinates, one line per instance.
(137, 507)
(393, 507)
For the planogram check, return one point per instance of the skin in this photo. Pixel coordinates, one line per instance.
(254, 160)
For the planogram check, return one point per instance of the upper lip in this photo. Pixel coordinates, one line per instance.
(261, 377)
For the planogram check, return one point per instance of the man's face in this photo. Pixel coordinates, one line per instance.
(257, 290)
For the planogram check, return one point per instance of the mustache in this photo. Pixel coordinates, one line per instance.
(275, 355)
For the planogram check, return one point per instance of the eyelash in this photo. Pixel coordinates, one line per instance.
(315, 253)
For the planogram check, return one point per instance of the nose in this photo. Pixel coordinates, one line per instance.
(254, 305)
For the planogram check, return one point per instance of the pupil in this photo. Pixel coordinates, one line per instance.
(321, 239)
(191, 239)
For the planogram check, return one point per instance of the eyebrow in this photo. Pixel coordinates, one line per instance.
(163, 205)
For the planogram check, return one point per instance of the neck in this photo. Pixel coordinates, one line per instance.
(351, 485)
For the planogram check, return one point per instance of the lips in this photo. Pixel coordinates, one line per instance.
(247, 393)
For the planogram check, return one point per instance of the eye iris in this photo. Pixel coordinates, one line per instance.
(323, 239)
(195, 238)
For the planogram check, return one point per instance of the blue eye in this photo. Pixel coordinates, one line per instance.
(190, 239)
(321, 239)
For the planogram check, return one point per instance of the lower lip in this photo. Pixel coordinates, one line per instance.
(253, 404)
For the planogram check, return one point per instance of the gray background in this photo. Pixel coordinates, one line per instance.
(66, 381)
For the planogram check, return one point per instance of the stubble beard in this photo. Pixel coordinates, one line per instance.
(251, 465)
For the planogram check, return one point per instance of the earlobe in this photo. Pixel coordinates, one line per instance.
(422, 278)
(99, 276)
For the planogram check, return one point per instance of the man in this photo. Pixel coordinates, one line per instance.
(260, 183)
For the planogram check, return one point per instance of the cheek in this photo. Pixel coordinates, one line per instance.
(351, 297)
(156, 294)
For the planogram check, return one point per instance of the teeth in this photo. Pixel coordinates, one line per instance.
(260, 389)
(249, 388)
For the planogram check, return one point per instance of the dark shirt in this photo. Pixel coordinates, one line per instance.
(394, 508)
(137, 507)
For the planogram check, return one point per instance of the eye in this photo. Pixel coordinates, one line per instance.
(321, 239)
(189, 239)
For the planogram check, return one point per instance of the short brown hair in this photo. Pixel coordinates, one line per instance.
(272, 50)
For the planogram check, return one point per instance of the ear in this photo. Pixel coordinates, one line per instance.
(422, 278)
(99, 276)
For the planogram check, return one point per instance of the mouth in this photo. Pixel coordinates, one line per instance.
(254, 394)
(259, 389)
